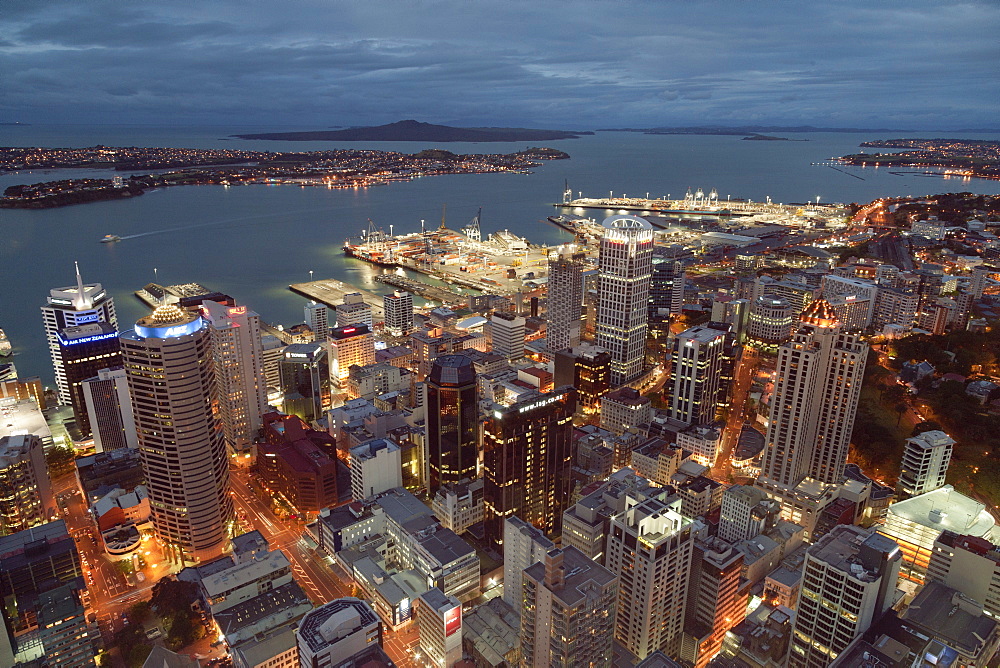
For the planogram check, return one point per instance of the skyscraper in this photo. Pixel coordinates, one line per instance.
(398, 309)
(78, 304)
(85, 350)
(451, 403)
(349, 345)
(565, 298)
(623, 294)
(925, 464)
(695, 370)
(318, 319)
(304, 374)
(353, 311)
(507, 335)
(527, 460)
(666, 285)
(171, 378)
(109, 410)
(816, 391)
(26, 496)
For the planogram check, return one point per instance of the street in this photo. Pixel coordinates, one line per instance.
(742, 381)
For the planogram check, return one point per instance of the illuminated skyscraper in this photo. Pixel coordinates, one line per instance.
(398, 308)
(623, 294)
(171, 378)
(350, 345)
(452, 421)
(666, 285)
(816, 391)
(85, 350)
(78, 304)
(696, 367)
(564, 313)
(318, 319)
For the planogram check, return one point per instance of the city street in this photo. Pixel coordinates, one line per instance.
(743, 379)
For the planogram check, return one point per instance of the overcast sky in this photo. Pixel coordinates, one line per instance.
(545, 63)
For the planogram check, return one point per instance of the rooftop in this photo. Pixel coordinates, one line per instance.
(582, 574)
(337, 619)
(945, 509)
(950, 617)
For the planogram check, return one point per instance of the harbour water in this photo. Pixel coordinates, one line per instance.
(253, 241)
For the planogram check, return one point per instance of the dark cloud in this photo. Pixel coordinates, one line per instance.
(595, 63)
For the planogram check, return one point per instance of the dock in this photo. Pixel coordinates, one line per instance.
(331, 292)
(430, 292)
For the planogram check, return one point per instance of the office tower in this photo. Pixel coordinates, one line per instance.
(25, 490)
(239, 371)
(696, 366)
(85, 350)
(746, 512)
(527, 460)
(304, 373)
(666, 285)
(398, 309)
(623, 409)
(350, 345)
(318, 319)
(109, 410)
(849, 580)
(353, 311)
(272, 352)
(568, 612)
(925, 464)
(716, 600)
(770, 322)
(733, 312)
(623, 294)
(452, 421)
(588, 369)
(70, 306)
(848, 287)
(980, 278)
(171, 379)
(649, 548)
(523, 546)
(586, 524)
(969, 564)
(334, 632)
(439, 618)
(65, 638)
(816, 390)
(507, 335)
(564, 310)
(376, 467)
(33, 563)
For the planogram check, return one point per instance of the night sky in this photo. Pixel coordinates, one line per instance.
(571, 65)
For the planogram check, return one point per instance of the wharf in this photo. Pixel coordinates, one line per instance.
(154, 294)
(432, 292)
(331, 292)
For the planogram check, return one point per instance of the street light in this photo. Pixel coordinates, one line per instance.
(310, 275)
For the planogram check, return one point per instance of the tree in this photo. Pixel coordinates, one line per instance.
(900, 409)
(60, 461)
(171, 596)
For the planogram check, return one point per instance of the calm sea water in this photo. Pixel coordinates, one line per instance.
(253, 241)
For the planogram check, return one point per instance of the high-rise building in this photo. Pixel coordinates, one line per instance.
(564, 310)
(696, 367)
(452, 421)
(439, 618)
(507, 335)
(239, 371)
(318, 319)
(85, 350)
(849, 580)
(78, 304)
(376, 467)
(623, 294)
(624, 409)
(304, 373)
(337, 631)
(649, 548)
(816, 391)
(925, 464)
(666, 285)
(523, 546)
(527, 462)
(398, 309)
(969, 564)
(717, 599)
(25, 490)
(171, 379)
(349, 346)
(770, 323)
(354, 311)
(568, 612)
(588, 369)
(109, 410)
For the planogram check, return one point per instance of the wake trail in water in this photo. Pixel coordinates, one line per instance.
(225, 221)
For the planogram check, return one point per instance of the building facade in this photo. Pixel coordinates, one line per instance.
(398, 309)
(452, 421)
(109, 410)
(696, 367)
(925, 464)
(564, 310)
(85, 350)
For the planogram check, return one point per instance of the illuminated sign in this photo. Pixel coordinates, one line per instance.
(349, 330)
(171, 332)
(287, 355)
(453, 621)
(540, 403)
(86, 339)
(90, 317)
(237, 310)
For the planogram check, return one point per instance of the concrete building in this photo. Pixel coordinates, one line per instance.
(171, 379)
(527, 459)
(848, 287)
(398, 308)
(85, 350)
(695, 369)
(353, 311)
(666, 285)
(733, 312)
(587, 523)
(70, 306)
(452, 422)
(564, 310)
(717, 599)
(746, 512)
(459, 505)
(925, 464)
(895, 307)
(298, 463)
(623, 294)
(272, 351)
(568, 612)
(970, 565)
(851, 311)
(770, 322)
(624, 409)
(376, 467)
(26, 499)
(350, 345)
(523, 546)
(955, 622)
(318, 319)
(439, 619)
(588, 369)
(304, 374)
(817, 386)
(109, 410)
(656, 460)
(333, 633)
(491, 634)
(703, 441)
(650, 548)
(507, 335)
(368, 382)
(849, 571)
(916, 523)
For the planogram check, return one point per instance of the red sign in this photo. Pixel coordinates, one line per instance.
(453, 620)
(238, 310)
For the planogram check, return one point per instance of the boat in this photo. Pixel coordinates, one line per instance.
(5, 347)
(110, 239)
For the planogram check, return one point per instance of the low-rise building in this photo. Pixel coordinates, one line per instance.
(332, 634)
(298, 463)
(459, 505)
(376, 467)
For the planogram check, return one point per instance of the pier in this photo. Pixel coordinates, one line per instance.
(431, 292)
(331, 292)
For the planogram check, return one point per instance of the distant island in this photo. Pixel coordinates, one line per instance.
(741, 130)
(416, 131)
(955, 157)
(756, 137)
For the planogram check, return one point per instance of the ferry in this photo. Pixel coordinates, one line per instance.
(5, 348)
(110, 239)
